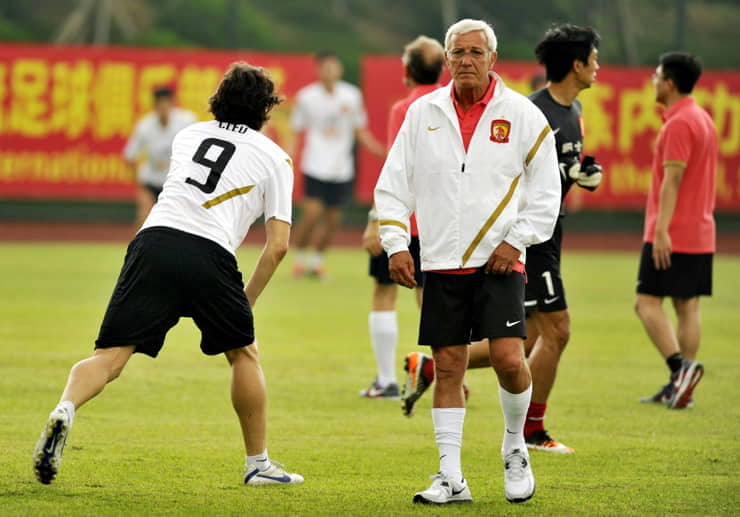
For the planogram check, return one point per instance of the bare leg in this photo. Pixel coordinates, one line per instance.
(89, 377)
(544, 358)
(507, 359)
(249, 396)
(144, 203)
(312, 210)
(689, 326)
(479, 355)
(650, 311)
(449, 370)
(332, 222)
(533, 334)
(419, 296)
(384, 297)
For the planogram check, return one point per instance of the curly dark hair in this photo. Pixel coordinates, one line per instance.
(245, 96)
(562, 45)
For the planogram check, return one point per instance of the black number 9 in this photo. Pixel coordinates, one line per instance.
(217, 167)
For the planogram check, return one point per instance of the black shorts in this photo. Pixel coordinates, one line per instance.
(168, 274)
(379, 265)
(330, 193)
(690, 275)
(545, 291)
(458, 309)
(154, 190)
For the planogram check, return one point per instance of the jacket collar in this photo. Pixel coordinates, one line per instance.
(442, 98)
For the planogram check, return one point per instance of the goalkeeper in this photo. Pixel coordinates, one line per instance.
(569, 54)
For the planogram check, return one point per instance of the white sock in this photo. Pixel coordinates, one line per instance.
(384, 336)
(448, 430)
(261, 461)
(317, 260)
(514, 407)
(66, 404)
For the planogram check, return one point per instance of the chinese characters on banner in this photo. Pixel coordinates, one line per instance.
(621, 122)
(66, 112)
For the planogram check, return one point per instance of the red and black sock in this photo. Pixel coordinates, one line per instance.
(535, 418)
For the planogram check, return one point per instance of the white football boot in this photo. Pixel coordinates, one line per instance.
(518, 479)
(444, 490)
(275, 475)
(47, 457)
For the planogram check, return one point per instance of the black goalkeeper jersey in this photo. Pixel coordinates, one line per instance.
(565, 122)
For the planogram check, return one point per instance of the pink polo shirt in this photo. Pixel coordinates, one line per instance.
(688, 137)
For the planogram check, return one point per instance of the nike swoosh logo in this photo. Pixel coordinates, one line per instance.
(282, 479)
(512, 323)
(555, 132)
(510, 432)
(430, 128)
(457, 492)
(548, 301)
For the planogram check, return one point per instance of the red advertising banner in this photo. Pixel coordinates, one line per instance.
(67, 112)
(621, 123)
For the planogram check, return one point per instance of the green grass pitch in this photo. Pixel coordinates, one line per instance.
(163, 439)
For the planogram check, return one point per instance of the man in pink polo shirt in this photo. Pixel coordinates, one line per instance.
(679, 238)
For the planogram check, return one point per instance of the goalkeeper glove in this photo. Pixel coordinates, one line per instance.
(586, 174)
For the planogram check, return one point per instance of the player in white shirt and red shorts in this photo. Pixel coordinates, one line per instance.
(223, 175)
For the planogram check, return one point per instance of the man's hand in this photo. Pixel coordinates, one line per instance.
(587, 174)
(503, 259)
(662, 250)
(371, 239)
(401, 269)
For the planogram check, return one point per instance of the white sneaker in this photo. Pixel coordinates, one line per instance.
(275, 475)
(518, 479)
(444, 490)
(47, 457)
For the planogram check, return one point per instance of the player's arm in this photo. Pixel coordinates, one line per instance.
(672, 176)
(369, 142)
(276, 246)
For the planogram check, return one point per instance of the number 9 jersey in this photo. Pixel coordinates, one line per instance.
(222, 177)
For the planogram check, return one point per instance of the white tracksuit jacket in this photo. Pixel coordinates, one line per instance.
(505, 188)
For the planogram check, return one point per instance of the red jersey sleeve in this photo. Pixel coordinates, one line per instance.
(677, 143)
(395, 121)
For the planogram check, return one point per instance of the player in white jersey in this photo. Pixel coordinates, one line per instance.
(331, 113)
(152, 137)
(223, 175)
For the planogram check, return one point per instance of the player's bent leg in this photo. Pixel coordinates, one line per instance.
(86, 379)
(554, 330)
(533, 334)
(249, 398)
(89, 377)
(543, 360)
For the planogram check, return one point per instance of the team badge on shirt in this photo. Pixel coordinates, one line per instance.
(500, 130)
